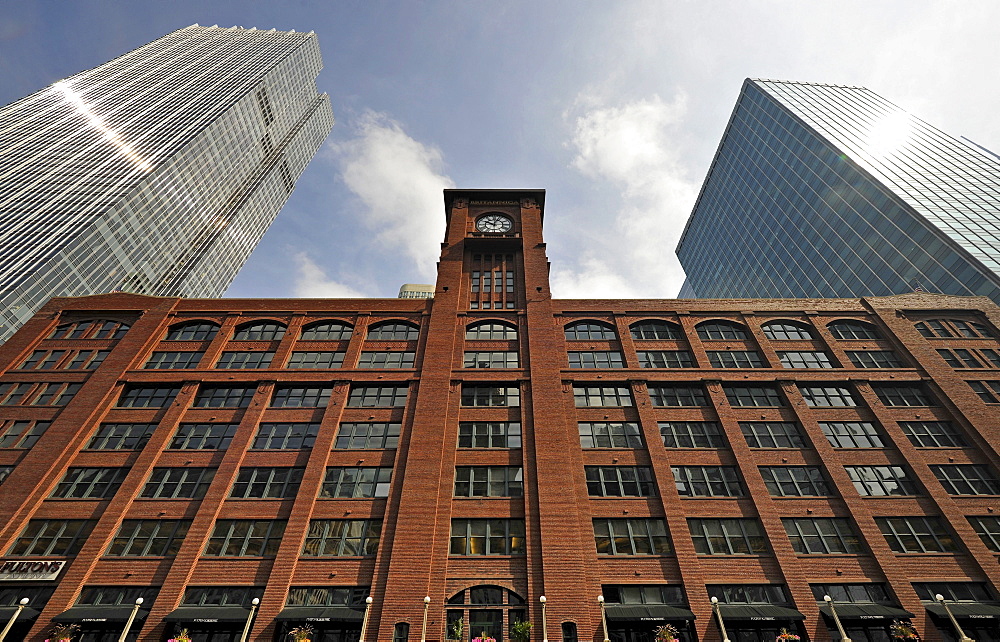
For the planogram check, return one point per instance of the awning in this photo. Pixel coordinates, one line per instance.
(26, 613)
(208, 614)
(322, 614)
(867, 612)
(99, 614)
(970, 610)
(758, 612)
(654, 612)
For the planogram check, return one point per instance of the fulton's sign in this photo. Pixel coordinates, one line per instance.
(21, 570)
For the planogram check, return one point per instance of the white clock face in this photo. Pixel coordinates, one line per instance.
(495, 223)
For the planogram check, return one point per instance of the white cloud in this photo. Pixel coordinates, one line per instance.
(635, 148)
(312, 282)
(399, 181)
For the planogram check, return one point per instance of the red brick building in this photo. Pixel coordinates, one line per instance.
(492, 445)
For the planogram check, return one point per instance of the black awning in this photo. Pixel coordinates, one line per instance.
(99, 614)
(26, 613)
(652, 612)
(208, 614)
(758, 612)
(322, 614)
(867, 612)
(969, 610)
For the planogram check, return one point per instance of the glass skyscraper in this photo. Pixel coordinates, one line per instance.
(832, 191)
(157, 172)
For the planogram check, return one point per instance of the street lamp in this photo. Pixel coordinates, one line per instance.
(604, 619)
(364, 622)
(961, 634)
(718, 615)
(545, 629)
(131, 618)
(836, 618)
(20, 607)
(423, 629)
(246, 627)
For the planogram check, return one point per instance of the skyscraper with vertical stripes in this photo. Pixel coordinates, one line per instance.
(157, 172)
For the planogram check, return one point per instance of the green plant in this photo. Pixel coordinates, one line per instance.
(666, 633)
(520, 631)
(457, 630)
(304, 632)
(903, 630)
(64, 631)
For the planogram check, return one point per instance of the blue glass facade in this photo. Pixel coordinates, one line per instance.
(831, 191)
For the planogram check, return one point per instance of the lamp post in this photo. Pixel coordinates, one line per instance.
(131, 618)
(836, 618)
(20, 607)
(423, 629)
(718, 615)
(246, 627)
(961, 634)
(545, 629)
(604, 619)
(364, 621)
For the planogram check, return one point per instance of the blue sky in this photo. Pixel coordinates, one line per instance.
(614, 107)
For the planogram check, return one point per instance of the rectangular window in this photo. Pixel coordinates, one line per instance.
(691, 434)
(620, 481)
(735, 359)
(707, 481)
(245, 360)
(174, 361)
(967, 479)
(954, 591)
(604, 359)
(902, 395)
(386, 359)
(285, 436)
(874, 359)
(665, 359)
(918, 534)
(804, 359)
(355, 482)
(489, 481)
(988, 391)
(178, 483)
(5, 472)
(988, 529)
(37, 394)
(992, 356)
(644, 594)
(221, 595)
(933, 434)
(149, 537)
(52, 537)
(224, 396)
(53, 360)
(342, 537)
(602, 396)
(875, 481)
(677, 396)
(117, 595)
(632, 537)
(487, 537)
(43, 360)
(377, 396)
(245, 538)
(203, 436)
(327, 596)
(753, 396)
(121, 436)
(89, 483)
(852, 434)
(367, 436)
(479, 395)
(828, 397)
(822, 535)
(749, 594)
(852, 593)
(772, 434)
(727, 536)
(486, 359)
(615, 434)
(301, 396)
(147, 396)
(21, 433)
(795, 481)
(267, 483)
(959, 358)
(316, 360)
(489, 434)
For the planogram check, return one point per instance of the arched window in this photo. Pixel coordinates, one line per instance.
(590, 331)
(654, 330)
(393, 331)
(401, 632)
(327, 331)
(260, 331)
(953, 328)
(91, 329)
(484, 609)
(569, 632)
(787, 331)
(721, 331)
(490, 330)
(193, 331)
(853, 330)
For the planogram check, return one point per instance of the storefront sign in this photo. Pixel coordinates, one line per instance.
(205, 619)
(768, 619)
(21, 570)
(319, 619)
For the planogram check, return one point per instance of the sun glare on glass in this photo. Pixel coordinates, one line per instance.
(889, 133)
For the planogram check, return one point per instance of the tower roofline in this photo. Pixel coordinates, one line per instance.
(493, 195)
